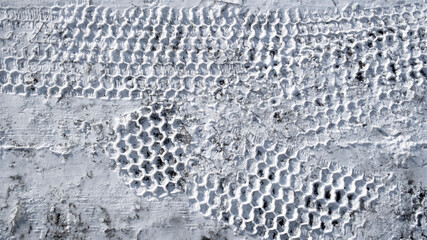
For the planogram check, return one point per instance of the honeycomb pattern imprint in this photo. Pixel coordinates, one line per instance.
(147, 151)
(274, 200)
(184, 55)
(277, 197)
(131, 54)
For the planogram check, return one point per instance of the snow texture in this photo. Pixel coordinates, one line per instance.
(216, 120)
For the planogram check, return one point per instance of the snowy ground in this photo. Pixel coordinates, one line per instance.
(213, 120)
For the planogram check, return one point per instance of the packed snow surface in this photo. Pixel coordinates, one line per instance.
(214, 120)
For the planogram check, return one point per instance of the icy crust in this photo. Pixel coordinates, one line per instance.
(238, 103)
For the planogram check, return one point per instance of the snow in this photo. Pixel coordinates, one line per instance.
(213, 120)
